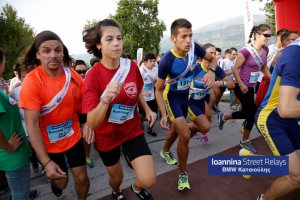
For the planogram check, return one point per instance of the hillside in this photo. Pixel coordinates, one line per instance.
(223, 34)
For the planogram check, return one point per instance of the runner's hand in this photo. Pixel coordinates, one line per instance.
(244, 88)
(209, 79)
(15, 141)
(88, 134)
(163, 123)
(112, 90)
(53, 171)
(151, 117)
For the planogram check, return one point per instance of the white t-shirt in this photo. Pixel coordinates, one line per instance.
(149, 78)
(15, 95)
(13, 81)
(273, 50)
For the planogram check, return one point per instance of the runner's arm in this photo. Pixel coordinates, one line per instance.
(12, 144)
(209, 77)
(97, 115)
(266, 70)
(151, 116)
(160, 85)
(238, 64)
(288, 105)
(53, 171)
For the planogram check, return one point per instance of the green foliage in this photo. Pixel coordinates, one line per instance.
(15, 37)
(140, 26)
(269, 9)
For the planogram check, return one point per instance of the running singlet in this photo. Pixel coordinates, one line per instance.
(60, 128)
(199, 73)
(249, 72)
(172, 65)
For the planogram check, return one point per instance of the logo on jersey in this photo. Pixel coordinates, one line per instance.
(131, 89)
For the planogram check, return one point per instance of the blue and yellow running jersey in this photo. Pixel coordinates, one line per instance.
(199, 72)
(281, 134)
(172, 65)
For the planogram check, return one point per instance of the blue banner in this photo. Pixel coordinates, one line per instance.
(248, 165)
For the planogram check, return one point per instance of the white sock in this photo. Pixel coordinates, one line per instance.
(136, 191)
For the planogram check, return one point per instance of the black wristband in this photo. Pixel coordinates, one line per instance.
(82, 118)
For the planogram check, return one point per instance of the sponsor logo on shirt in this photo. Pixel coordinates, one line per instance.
(131, 89)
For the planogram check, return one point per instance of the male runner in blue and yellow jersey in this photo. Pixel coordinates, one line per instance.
(277, 119)
(175, 73)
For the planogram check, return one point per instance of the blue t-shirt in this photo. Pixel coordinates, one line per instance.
(286, 72)
(172, 65)
(199, 73)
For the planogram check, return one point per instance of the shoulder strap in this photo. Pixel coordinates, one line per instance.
(255, 55)
(188, 67)
(122, 72)
(57, 99)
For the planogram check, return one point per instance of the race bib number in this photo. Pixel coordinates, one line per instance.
(184, 83)
(121, 113)
(200, 95)
(254, 77)
(148, 87)
(60, 131)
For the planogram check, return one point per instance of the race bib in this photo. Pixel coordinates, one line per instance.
(254, 77)
(148, 87)
(184, 83)
(121, 113)
(200, 95)
(60, 131)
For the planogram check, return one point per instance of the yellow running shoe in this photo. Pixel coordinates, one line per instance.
(183, 182)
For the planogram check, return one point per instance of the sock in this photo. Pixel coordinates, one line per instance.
(136, 191)
(223, 118)
(261, 197)
(88, 160)
(244, 141)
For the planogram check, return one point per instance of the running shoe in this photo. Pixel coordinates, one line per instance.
(90, 163)
(221, 120)
(260, 197)
(204, 139)
(247, 145)
(215, 108)
(245, 152)
(32, 194)
(117, 195)
(56, 191)
(169, 158)
(183, 182)
(143, 194)
(197, 136)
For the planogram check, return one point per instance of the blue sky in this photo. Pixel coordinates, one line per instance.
(67, 17)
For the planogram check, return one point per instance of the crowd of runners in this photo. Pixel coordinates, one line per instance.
(54, 109)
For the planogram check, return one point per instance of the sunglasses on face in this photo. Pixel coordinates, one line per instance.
(81, 71)
(267, 35)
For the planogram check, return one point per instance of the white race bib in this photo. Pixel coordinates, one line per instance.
(121, 113)
(60, 131)
(253, 77)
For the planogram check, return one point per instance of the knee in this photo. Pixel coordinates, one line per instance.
(294, 179)
(147, 182)
(82, 179)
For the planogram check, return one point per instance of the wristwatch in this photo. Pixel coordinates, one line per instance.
(213, 69)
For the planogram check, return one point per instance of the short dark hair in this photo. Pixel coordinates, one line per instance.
(285, 36)
(149, 56)
(281, 31)
(232, 49)
(79, 62)
(16, 67)
(218, 49)
(93, 61)
(227, 51)
(207, 45)
(179, 23)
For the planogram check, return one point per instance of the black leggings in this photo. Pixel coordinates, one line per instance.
(248, 106)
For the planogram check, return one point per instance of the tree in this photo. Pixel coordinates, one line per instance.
(15, 37)
(269, 9)
(140, 26)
